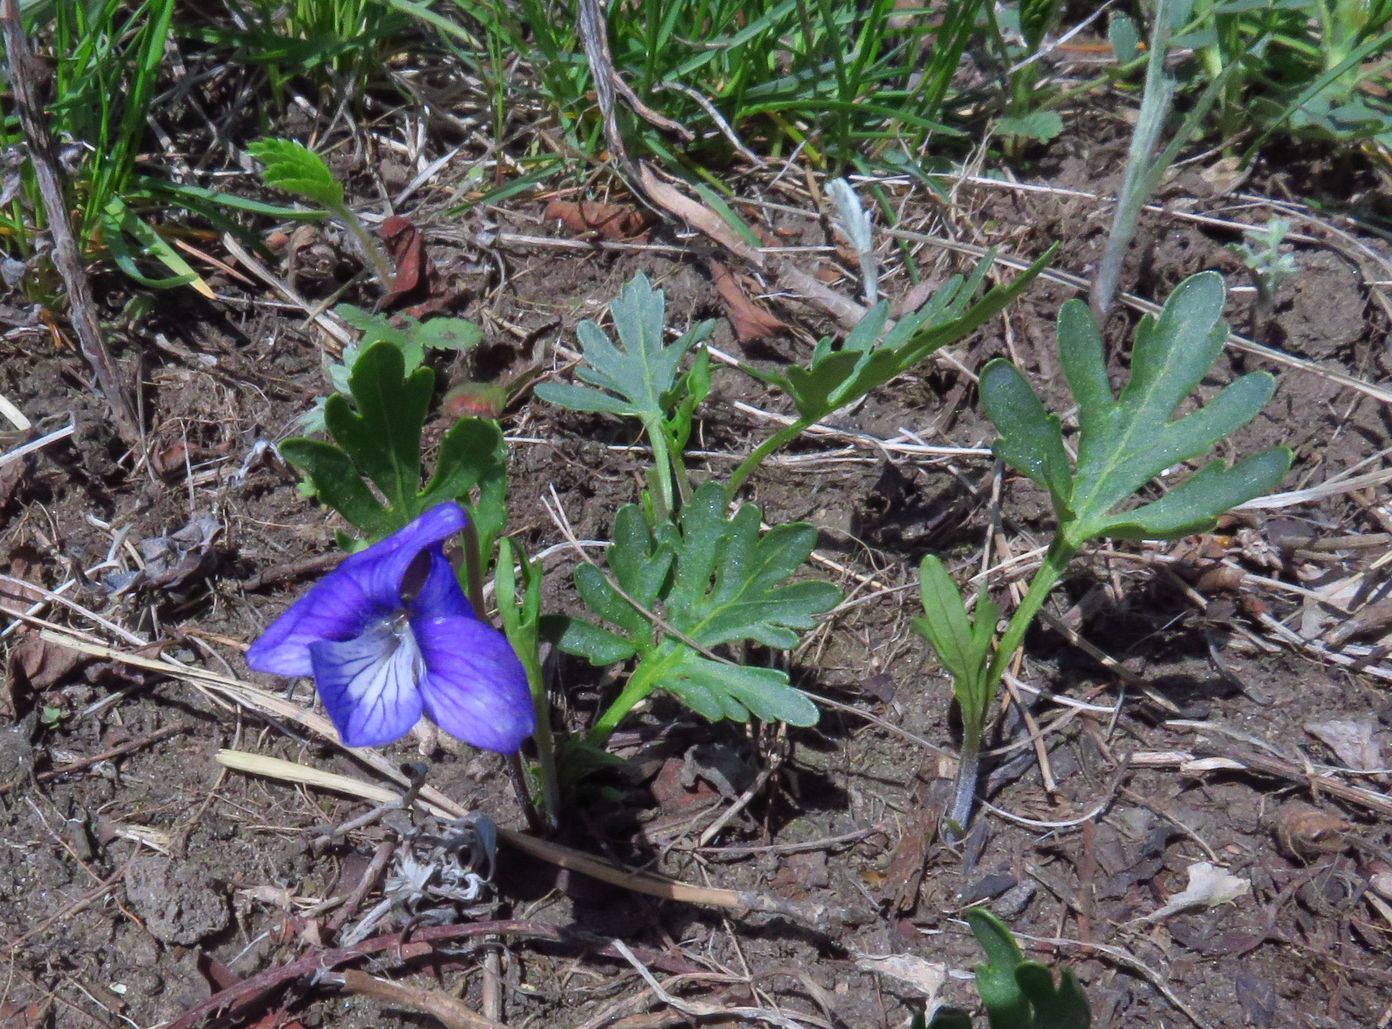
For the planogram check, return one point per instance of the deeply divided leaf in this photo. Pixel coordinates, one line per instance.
(1127, 441)
(637, 376)
(675, 592)
(869, 357)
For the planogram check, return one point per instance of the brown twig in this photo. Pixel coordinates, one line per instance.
(82, 312)
(282, 574)
(450, 1012)
(247, 992)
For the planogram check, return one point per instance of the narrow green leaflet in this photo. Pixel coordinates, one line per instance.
(963, 644)
(377, 439)
(686, 588)
(1125, 442)
(298, 170)
(868, 357)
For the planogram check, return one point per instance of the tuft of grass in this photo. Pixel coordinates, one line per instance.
(847, 85)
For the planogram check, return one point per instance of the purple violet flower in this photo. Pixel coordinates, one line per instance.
(388, 635)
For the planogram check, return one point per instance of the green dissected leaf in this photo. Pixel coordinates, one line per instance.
(337, 482)
(869, 357)
(1125, 442)
(1038, 125)
(382, 436)
(686, 588)
(296, 169)
(377, 438)
(634, 377)
(411, 336)
(641, 378)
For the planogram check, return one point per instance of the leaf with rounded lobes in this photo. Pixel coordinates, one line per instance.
(338, 483)
(382, 437)
(599, 647)
(472, 455)
(1126, 442)
(1030, 441)
(1195, 504)
(1005, 1003)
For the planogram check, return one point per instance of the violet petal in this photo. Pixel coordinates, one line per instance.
(474, 687)
(369, 684)
(365, 588)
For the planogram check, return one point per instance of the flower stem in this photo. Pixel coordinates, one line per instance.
(545, 744)
(381, 267)
(759, 454)
(642, 682)
(473, 571)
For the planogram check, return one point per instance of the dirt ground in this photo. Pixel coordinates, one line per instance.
(1222, 699)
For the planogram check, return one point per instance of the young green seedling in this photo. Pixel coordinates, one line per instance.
(641, 378)
(1017, 994)
(1123, 444)
(1262, 257)
(298, 170)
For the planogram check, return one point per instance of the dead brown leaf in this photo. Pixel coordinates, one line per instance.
(749, 320)
(697, 215)
(593, 219)
(417, 285)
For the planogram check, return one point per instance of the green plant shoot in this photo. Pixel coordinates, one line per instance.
(869, 356)
(1124, 443)
(295, 169)
(1017, 994)
(641, 378)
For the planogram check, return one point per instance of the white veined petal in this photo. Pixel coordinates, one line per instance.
(370, 684)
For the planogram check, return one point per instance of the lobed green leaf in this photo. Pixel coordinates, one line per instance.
(681, 589)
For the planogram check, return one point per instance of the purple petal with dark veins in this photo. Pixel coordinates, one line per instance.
(474, 686)
(369, 684)
(362, 590)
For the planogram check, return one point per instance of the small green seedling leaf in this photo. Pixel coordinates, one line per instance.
(1040, 126)
(640, 378)
(298, 170)
(1016, 993)
(1125, 442)
(963, 644)
(679, 590)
